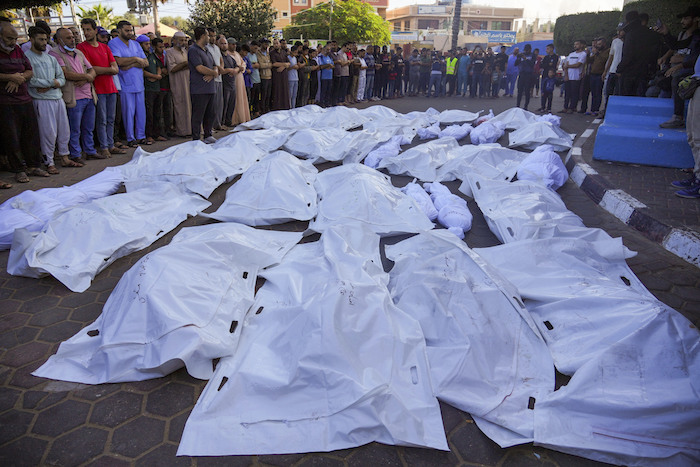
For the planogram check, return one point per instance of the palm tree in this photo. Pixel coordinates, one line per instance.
(455, 23)
(102, 16)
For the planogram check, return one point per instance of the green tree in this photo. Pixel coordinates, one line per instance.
(20, 4)
(586, 26)
(103, 16)
(241, 19)
(174, 21)
(128, 16)
(352, 20)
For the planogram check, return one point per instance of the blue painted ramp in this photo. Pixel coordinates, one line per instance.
(630, 133)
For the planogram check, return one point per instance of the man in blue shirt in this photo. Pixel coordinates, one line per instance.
(131, 60)
(463, 73)
(326, 63)
(203, 71)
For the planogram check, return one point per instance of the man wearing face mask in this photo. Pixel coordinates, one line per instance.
(131, 60)
(19, 131)
(79, 96)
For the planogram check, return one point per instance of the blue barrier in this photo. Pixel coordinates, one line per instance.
(630, 133)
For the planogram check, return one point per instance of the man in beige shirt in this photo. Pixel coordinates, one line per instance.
(180, 84)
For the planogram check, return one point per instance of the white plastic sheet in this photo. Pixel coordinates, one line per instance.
(335, 144)
(194, 165)
(487, 132)
(356, 193)
(457, 116)
(430, 132)
(527, 210)
(453, 212)
(484, 118)
(276, 190)
(515, 118)
(544, 166)
(490, 160)
(422, 199)
(536, 134)
(553, 119)
(456, 131)
(297, 118)
(267, 140)
(421, 161)
(389, 149)
(326, 361)
(79, 242)
(31, 210)
(485, 354)
(183, 303)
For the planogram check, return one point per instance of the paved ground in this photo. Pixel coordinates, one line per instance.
(54, 423)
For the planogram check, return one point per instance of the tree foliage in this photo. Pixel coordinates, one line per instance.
(352, 20)
(19, 4)
(174, 21)
(241, 19)
(128, 16)
(102, 16)
(586, 26)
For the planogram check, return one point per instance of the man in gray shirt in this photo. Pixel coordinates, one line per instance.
(218, 82)
(203, 71)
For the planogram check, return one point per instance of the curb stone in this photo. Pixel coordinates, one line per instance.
(681, 242)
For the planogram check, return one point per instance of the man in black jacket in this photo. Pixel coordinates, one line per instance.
(639, 54)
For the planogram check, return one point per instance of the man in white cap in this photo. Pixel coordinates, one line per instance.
(179, 71)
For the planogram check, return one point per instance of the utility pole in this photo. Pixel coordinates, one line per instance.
(330, 24)
(156, 29)
(72, 14)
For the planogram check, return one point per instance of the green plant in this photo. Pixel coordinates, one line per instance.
(241, 19)
(352, 20)
(586, 26)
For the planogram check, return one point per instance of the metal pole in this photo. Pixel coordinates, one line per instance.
(72, 13)
(156, 29)
(330, 24)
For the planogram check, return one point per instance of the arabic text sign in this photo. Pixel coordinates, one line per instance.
(495, 36)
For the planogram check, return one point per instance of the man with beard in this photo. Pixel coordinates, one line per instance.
(639, 54)
(280, 82)
(45, 89)
(203, 70)
(131, 60)
(218, 81)
(179, 72)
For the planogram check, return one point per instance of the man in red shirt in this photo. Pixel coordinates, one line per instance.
(100, 57)
(19, 130)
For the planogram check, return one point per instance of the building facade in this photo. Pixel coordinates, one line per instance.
(439, 17)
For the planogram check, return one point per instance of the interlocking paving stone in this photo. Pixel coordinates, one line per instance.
(26, 451)
(96, 392)
(473, 446)
(452, 417)
(87, 313)
(137, 436)
(49, 316)
(16, 337)
(60, 332)
(281, 459)
(8, 398)
(51, 399)
(109, 461)
(12, 321)
(320, 461)
(40, 304)
(76, 300)
(77, 446)
(227, 461)
(163, 456)
(23, 378)
(417, 457)
(170, 399)
(116, 409)
(375, 454)
(29, 293)
(177, 426)
(13, 424)
(26, 353)
(526, 458)
(61, 418)
(8, 305)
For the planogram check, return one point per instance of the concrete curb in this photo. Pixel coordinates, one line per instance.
(682, 243)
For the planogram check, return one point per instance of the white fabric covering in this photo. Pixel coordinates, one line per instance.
(306, 375)
(31, 210)
(527, 210)
(536, 134)
(484, 118)
(456, 116)
(544, 166)
(183, 303)
(388, 149)
(456, 131)
(486, 356)
(553, 119)
(433, 131)
(267, 140)
(335, 144)
(633, 398)
(487, 132)
(356, 193)
(421, 161)
(453, 212)
(515, 118)
(422, 199)
(194, 165)
(276, 190)
(79, 242)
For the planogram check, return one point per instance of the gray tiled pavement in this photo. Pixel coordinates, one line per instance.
(55, 423)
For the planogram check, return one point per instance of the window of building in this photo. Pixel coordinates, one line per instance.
(428, 24)
(475, 24)
(397, 26)
(406, 25)
(284, 14)
(500, 25)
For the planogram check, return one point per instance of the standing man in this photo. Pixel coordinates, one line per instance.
(131, 60)
(45, 88)
(265, 66)
(218, 80)
(203, 70)
(526, 76)
(640, 51)
(599, 59)
(79, 96)
(179, 73)
(549, 62)
(690, 188)
(573, 66)
(164, 101)
(100, 57)
(280, 82)
(326, 63)
(451, 71)
(231, 69)
(152, 76)
(362, 77)
(255, 77)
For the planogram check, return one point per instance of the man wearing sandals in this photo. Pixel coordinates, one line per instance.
(79, 96)
(19, 130)
(45, 88)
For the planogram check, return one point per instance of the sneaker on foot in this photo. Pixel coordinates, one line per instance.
(210, 140)
(692, 192)
(675, 122)
(687, 183)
